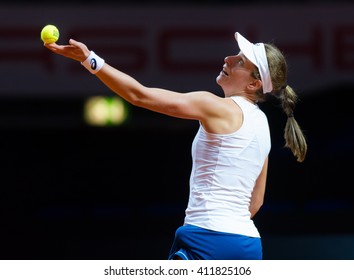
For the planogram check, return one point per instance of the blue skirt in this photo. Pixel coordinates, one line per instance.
(195, 243)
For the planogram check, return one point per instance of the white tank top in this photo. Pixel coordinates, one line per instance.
(225, 169)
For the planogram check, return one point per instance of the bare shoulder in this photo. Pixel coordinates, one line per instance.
(206, 99)
(204, 103)
(217, 114)
(221, 115)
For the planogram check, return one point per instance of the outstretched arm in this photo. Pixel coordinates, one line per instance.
(199, 105)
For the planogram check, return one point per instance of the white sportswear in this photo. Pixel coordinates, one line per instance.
(225, 169)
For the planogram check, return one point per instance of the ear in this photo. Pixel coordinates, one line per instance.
(255, 85)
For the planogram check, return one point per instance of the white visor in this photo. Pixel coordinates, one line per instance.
(257, 55)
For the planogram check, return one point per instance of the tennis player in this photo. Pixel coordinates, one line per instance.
(230, 150)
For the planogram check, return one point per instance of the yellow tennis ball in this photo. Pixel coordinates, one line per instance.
(49, 34)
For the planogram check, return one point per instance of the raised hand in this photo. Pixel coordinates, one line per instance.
(75, 50)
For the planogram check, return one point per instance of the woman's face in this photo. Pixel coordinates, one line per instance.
(236, 75)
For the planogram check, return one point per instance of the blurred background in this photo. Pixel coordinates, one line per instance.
(86, 176)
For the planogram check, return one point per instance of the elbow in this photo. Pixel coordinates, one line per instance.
(138, 97)
(135, 98)
(255, 207)
(260, 204)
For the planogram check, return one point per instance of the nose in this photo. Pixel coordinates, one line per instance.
(229, 59)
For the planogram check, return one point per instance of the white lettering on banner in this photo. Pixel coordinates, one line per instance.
(180, 48)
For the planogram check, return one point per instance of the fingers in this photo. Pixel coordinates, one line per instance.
(75, 50)
(83, 48)
(52, 46)
(55, 47)
(74, 42)
(48, 45)
(77, 44)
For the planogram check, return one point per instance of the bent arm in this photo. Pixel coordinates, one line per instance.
(257, 197)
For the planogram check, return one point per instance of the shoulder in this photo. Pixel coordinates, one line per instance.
(228, 117)
(203, 96)
(208, 99)
(217, 114)
(205, 104)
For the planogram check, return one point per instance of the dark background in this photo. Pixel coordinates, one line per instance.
(73, 191)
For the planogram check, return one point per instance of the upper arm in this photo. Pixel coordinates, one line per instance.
(198, 105)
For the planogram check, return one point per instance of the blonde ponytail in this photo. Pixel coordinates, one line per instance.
(293, 135)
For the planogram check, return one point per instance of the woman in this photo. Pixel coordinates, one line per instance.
(230, 150)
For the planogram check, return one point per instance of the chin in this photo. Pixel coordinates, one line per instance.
(221, 81)
(218, 79)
